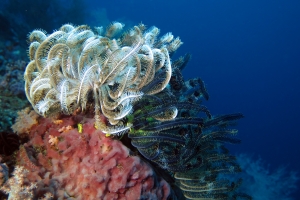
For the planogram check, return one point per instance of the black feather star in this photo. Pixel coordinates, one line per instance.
(9, 142)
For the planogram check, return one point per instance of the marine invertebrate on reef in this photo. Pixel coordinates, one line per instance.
(84, 165)
(265, 183)
(91, 87)
(75, 64)
(12, 95)
(25, 120)
(17, 186)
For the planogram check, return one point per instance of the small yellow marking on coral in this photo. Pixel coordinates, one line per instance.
(79, 126)
(107, 135)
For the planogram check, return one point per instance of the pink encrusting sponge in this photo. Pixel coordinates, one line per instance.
(70, 158)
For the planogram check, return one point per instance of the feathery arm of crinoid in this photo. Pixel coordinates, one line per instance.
(75, 66)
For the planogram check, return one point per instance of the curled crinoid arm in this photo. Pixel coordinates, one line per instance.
(167, 71)
(113, 29)
(181, 62)
(185, 110)
(223, 135)
(121, 84)
(99, 30)
(223, 120)
(65, 102)
(108, 104)
(87, 77)
(67, 28)
(170, 124)
(164, 40)
(92, 49)
(174, 45)
(151, 35)
(117, 61)
(77, 36)
(44, 48)
(29, 76)
(32, 49)
(203, 190)
(37, 36)
(147, 70)
(167, 115)
(132, 36)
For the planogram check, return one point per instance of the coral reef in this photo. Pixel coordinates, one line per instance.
(12, 97)
(264, 183)
(25, 120)
(17, 187)
(120, 121)
(82, 165)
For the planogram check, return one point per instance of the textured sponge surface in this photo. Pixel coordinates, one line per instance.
(85, 164)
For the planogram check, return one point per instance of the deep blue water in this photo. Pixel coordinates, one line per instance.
(248, 54)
